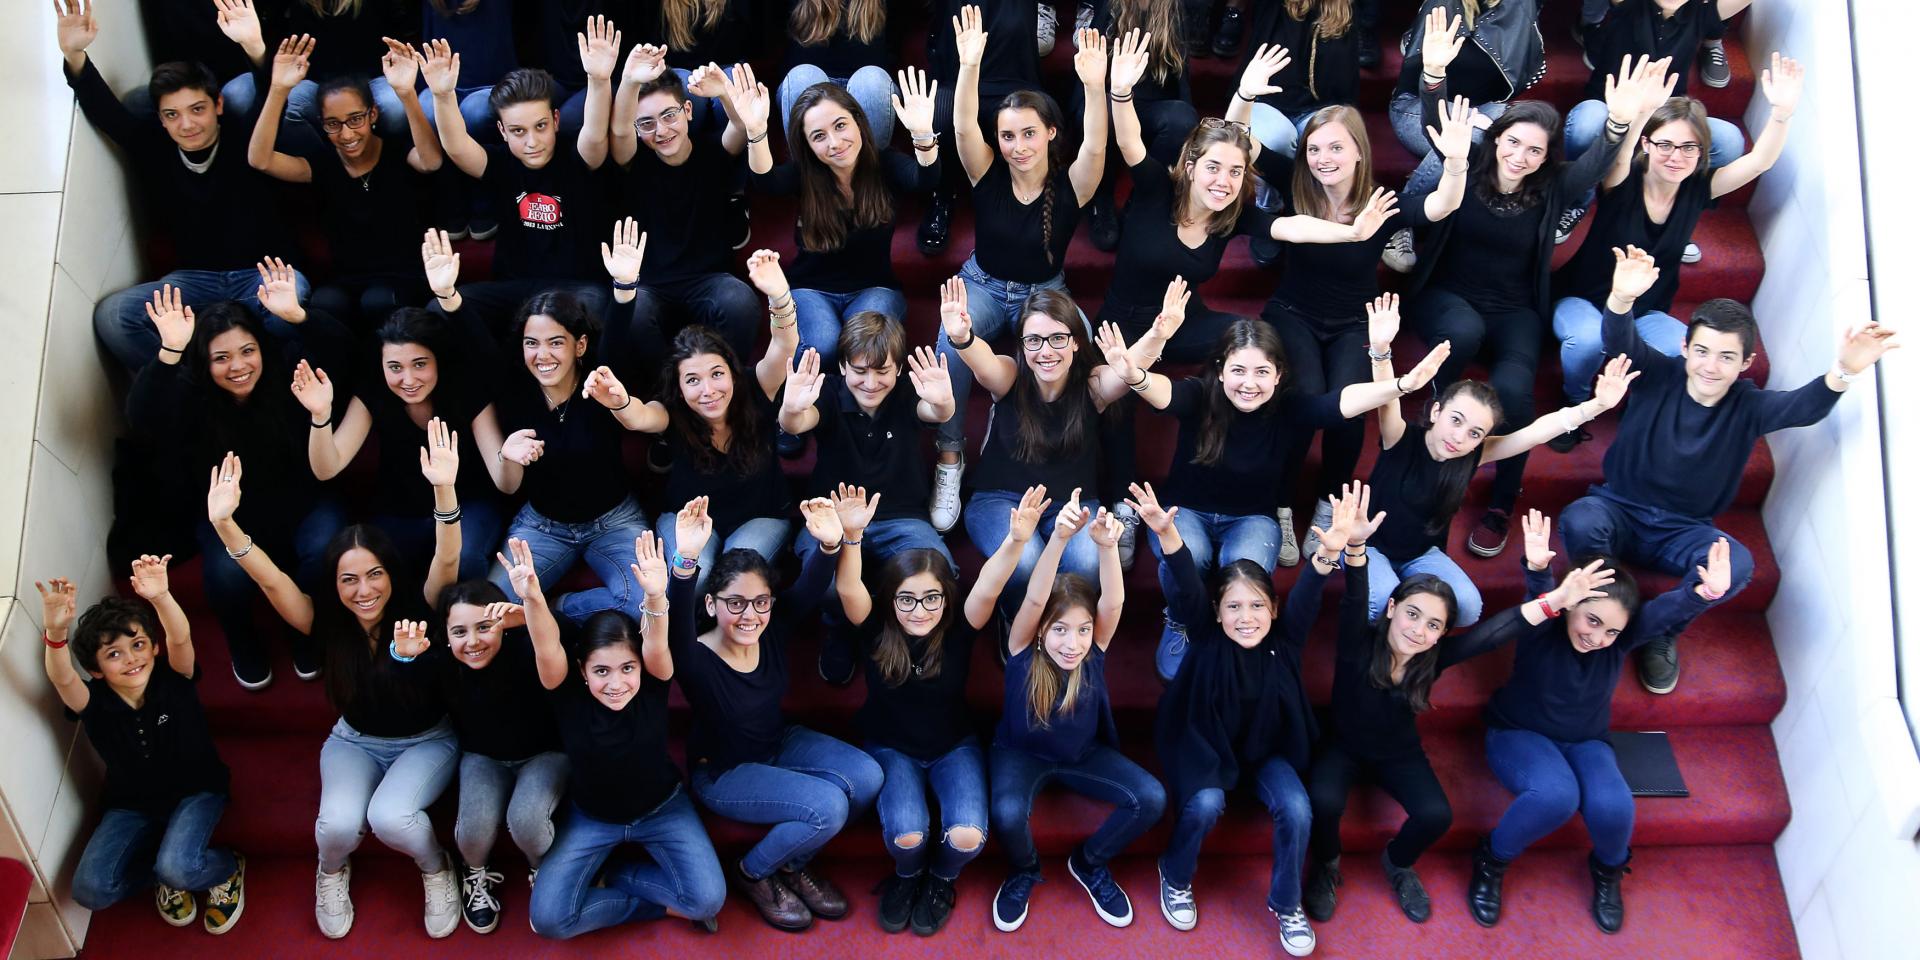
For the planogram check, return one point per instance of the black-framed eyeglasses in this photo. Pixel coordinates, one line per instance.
(1665, 148)
(932, 602)
(353, 121)
(646, 125)
(1033, 341)
(739, 605)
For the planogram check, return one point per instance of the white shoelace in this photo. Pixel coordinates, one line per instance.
(1294, 925)
(333, 893)
(479, 884)
(1179, 896)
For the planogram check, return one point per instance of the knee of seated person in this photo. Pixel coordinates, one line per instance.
(1207, 805)
(1741, 559)
(966, 839)
(1586, 527)
(1470, 606)
(1434, 814)
(389, 822)
(909, 841)
(549, 916)
(829, 810)
(1562, 799)
(1008, 810)
(91, 896)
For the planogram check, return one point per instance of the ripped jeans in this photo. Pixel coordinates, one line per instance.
(957, 780)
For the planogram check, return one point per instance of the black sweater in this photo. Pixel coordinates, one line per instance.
(1324, 71)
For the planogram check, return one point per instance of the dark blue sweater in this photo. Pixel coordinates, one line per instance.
(1677, 455)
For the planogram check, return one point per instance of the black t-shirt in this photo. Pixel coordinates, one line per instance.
(879, 452)
(735, 497)
(1490, 258)
(392, 698)
(620, 769)
(1008, 234)
(841, 54)
(158, 753)
(1258, 450)
(580, 476)
(499, 710)
(922, 717)
(372, 221)
(1636, 27)
(1406, 483)
(1324, 70)
(683, 209)
(1005, 64)
(551, 219)
(1330, 284)
(1620, 218)
(403, 491)
(1151, 252)
(866, 258)
(1059, 467)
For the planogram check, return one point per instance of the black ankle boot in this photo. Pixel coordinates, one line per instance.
(1608, 910)
(1483, 890)
(1103, 221)
(935, 226)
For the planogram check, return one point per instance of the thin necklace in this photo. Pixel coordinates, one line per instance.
(561, 409)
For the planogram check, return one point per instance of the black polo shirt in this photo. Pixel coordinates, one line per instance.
(158, 753)
(880, 452)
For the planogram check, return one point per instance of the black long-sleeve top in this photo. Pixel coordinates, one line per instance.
(224, 219)
(1230, 707)
(1324, 71)
(865, 258)
(736, 716)
(1504, 39)
(1663, 426)
(1561, 693)
(1258, 448)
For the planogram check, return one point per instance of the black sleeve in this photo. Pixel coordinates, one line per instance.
(811, 586)
(1575, 178)
(1356, 627)
(1780, 409)
(154, 404)
(781, 181)
(1488, 634)
(108, 115)
(1538, 581)
(682, 628)
(1665, 613)
(1303, 603)
(1188, 598)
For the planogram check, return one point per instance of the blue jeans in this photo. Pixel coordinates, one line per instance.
(386, 783)
(994, 307)
(809, 790)
(1588, 119)
(1404, 114)
(1278, 132)
(820, 315)
(130, 849)
(763, 535)
(1214, 540)
(1602, 522)
(480, 525)
(1576, 321)
(988, 517)
(1383, 575)
(870, 87)
(522, 793)
(1285, 797)
(231, 593)
(1551, 781)
(1105, 774)
(605, 543)
(120, 318)
(681, 874)
(958, 780)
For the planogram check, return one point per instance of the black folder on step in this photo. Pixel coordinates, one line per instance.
(1647, 764)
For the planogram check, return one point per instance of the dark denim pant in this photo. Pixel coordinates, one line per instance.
(1603, 522)
(230, 592)
(130, 849)
(606, 543)
(682, 873)
(1105, 774)
(720, 301)
(120, 318)
(957, 779)
(1551, 781)
(808, 791)
(1279, 787)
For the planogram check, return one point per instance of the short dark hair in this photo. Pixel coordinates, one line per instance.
(107, 621)
(351, 83)
(1624, 590)
(1722, 315)
(179, 75)
(525, 85)
(666, 82)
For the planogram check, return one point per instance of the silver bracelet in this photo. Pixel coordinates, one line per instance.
(243, 551)
(1379, 357)
(644, 612)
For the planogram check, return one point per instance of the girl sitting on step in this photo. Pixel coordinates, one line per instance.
(392, 752)
(917, 652)
(1057, 724)
(1547, 728)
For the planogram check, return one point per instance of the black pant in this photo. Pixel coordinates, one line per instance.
(1510, 342)
(1164, 126)
(1324, 358)
(1196, 342)
(1410, 782)
(363, 303)
(720, 301)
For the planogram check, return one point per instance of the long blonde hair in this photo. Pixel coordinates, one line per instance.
(1309, 198)
(814, 22)
(1167, 47)
(1045, 679)
(683, 17)
(1331, 20)
(333, 8)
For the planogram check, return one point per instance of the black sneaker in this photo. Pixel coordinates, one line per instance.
(1266, 251)
(1659, 663)
(1564, 443)
(1103, 222)
(936, 225)
(1490, 537)
(1369, 54)
(837, 665)
(660, 457)
(478, 905)
(933, 906)
(1010, 904)
(484, 229)
(1109, 901)
(306, 657)
(1233, 26)
(1408, 889)
(1317, 896)
(250, 666)
(740, 215)
(1715, 72)
(898, 895)
(1569, 219)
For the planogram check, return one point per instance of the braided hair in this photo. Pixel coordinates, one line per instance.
(1049, 113)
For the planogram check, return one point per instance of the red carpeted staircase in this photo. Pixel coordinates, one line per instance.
(1705, 883)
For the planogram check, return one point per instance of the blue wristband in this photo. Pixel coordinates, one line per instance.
(393, 650)
(682, 563)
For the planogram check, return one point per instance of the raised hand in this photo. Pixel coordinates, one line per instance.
(1383, 321)
(1173, 309)
(822, 522)
(149, 578)
(1146, 503)
(1428, 367)
(411, 638)
(692, 528)
(913, 105)
(75, 30)
(240, 22)
(602, 387)
(1129, 62)
(599, 48)
(223, 489)
(1090, 61)
(1716, 577)
(1537, 529)
(1441, 42)
(313, 390)
(521, 574)
(1782, 82)
(1113, 346)
(1863, 346)
(707, 80)
(1633, 272)
(507, 615)
(969, 36)
(1611, 388)
(1580, 585)
(1256, 80)
(290, 62)
(932, 382)
(1455, 136)
(173, 320)
(1382, 205)
(1339, 530)
(649, 564)
(854, 508)
(440, 458)
(1071, 518)
(1106, 530)
(750, 99)
(763, 268)
(400, 65)
(441, 263)
(804, 382)
(645, 63)
(1637, 84)
(953, 312)
(441, 66)
(279, 291)
(1024, 518)
(623, 256)
(522, 447)
(57, 604)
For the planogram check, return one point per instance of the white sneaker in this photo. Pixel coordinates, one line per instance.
(1398, 256)
(1691, 254)
(1322, 518)
(1296, 934)
(1082, 20)
(333, 901)
(1289, 543)
(946, 495)
(1049, 25)
(1129, 534)
(443, 900)
(1176, 904)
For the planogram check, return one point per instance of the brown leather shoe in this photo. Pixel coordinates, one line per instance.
(817, 892)
(777, 904)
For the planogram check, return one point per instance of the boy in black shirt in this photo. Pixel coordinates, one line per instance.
(220, 212)
(546, 198)
(166, 785)
(1693, 410)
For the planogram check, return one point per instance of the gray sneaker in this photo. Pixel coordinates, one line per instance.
(1289, 555)
(1296, 934)
(1048, 26)
(1129, 534)
(1176, 904)
(1322, 518)
(1399, 256)
(1715, 72)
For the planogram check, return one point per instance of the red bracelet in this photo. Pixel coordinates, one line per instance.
(48, 640)
(1547, 608)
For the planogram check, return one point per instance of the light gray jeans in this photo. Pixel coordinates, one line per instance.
(522, 792)
(386, 783)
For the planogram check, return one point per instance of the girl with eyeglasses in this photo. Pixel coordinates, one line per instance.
(915, 633)
(1652, 198)
(1483, 282)
(370, 190)
(747, 760)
